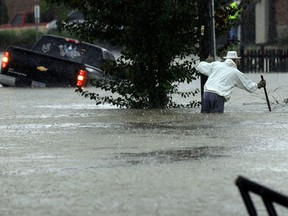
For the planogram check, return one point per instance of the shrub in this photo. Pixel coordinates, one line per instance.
(23, 38)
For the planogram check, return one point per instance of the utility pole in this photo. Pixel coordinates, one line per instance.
(207, 37)
(37, 19)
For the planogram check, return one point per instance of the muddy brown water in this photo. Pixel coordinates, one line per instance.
(62, 155)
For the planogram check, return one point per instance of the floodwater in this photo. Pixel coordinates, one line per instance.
(62, 155)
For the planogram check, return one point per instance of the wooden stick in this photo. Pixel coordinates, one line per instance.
(266, 95)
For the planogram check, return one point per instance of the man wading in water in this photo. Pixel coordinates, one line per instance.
(222, 78)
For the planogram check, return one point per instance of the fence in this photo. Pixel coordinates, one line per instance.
(264, 61)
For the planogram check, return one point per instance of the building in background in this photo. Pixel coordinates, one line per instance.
(281, 8)
(15, 7)
(264, 22)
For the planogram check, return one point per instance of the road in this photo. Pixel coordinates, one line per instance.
(62, 155)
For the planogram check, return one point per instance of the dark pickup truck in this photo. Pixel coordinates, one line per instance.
(53, 62)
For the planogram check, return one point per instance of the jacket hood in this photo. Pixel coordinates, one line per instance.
(230, 63)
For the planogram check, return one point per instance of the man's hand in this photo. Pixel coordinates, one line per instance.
(210, 59)
(262, 84)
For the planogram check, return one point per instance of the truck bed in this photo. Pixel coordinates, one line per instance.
(34, 68)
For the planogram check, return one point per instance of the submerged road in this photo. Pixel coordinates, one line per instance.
(62, 155)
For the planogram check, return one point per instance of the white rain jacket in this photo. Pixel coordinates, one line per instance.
(223, 77)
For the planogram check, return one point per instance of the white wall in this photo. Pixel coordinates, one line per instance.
(262, 21)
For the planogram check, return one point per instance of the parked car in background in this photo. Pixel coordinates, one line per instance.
(54, 61)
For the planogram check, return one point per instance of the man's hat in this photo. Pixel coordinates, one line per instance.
(231, 55)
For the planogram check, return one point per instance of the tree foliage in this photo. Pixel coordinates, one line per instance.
(158, 40)
(4, 18)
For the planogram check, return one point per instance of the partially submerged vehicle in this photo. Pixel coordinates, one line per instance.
(54, 61)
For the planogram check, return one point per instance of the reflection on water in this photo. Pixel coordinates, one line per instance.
(173, 155)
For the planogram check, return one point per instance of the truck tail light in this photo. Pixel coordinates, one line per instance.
(81, 78)
(71, 40)
(5, 60)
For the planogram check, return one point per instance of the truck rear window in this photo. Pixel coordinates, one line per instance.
(70, 49)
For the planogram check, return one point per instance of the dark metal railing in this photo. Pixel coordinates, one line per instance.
(264, 61)
(269, 197)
